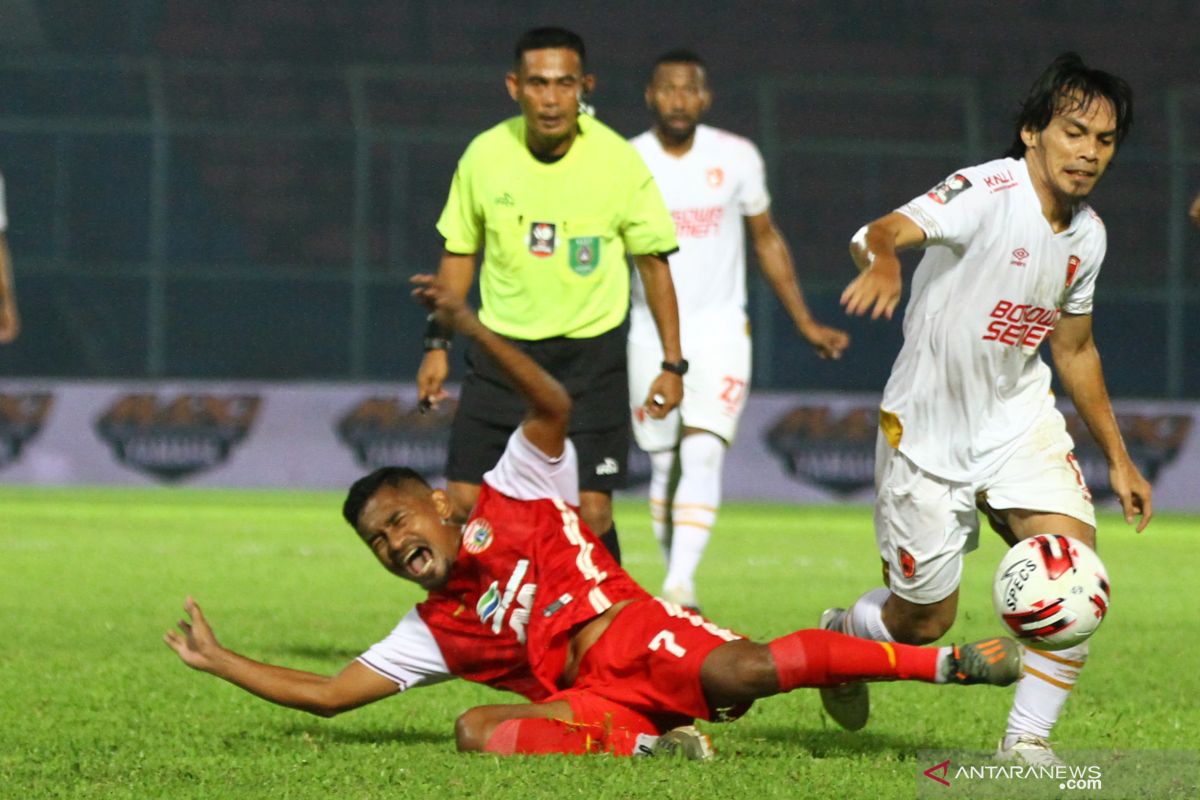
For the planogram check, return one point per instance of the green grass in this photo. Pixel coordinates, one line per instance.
(93, 704)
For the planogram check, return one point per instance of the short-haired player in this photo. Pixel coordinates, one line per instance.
(526, 598)
(714, 184)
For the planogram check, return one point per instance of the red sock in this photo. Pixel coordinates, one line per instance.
(539, 735)
(825, 658)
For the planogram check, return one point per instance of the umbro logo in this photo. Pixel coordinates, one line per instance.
(608, 466)
(1019, 257)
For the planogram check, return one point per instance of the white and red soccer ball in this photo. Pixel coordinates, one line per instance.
(1051, 591)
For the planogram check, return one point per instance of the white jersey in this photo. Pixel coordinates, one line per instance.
(3, 213)
(994, 280)
(708, 190)
(410, 655)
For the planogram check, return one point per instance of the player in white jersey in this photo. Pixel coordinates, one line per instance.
(10, 322)
(967, 419)
(711, 180)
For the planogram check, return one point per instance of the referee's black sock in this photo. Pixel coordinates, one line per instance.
(609, 540)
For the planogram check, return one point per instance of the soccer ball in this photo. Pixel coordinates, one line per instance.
(1051, 591)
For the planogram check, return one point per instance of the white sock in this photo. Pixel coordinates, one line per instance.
(1043, 690)
(694, 509)
(661, 464)
(864, 619)
(644, 745)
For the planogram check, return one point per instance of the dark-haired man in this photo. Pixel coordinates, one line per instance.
(711, 180)
(556, 200)
(967, 419)
(525, 598)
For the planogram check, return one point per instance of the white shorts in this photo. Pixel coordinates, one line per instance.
(924, 524)
(714, 389)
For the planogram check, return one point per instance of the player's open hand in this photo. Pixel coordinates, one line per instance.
(194, 641)
(877, 290)
(1133, 491)
(665, 394)
(826, 341)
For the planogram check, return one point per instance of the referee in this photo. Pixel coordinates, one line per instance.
(556, 200)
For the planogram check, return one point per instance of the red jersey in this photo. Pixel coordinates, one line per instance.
(528, 575)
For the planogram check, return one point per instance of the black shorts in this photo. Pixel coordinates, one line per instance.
(594, 373)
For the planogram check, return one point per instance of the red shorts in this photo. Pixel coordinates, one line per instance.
(648, 662)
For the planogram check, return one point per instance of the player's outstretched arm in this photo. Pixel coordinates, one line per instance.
(660, 297)
(549, 404)
(875, 249)
(10, 322)
(1077, 363)
(775, 261)
(197, 646)
(456, 272)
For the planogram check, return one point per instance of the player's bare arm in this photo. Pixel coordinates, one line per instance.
(456, 272)
(775, 261)
(660, 297)
(549, 404)
(10, 322)
(325, 696)
(1077, 363)
(875, 249)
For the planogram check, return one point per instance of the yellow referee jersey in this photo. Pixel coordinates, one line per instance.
(554, 236)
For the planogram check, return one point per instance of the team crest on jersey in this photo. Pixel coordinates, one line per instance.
(543, 237)
(949, 189)
(1072, 268)
(715, 176)
(477, 536)
(583, 253)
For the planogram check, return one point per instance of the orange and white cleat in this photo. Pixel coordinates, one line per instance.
(995, 661)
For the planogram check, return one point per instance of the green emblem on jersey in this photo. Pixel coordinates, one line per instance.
(489, 601)
(584, 254)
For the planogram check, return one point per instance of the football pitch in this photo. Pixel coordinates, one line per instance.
(93, 704)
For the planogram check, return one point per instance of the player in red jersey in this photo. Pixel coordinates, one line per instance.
(525, 598)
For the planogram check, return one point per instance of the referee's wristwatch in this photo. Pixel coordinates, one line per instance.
(679, 367)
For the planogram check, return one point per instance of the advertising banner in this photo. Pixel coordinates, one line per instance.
(791, 447)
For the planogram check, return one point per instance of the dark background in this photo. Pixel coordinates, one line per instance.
(227, 189)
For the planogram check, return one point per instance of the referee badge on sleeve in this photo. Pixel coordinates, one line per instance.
(543, 236)
(584, 254)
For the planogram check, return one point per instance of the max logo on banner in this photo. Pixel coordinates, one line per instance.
(832, 449)
(21, 418)
(1154, 440)
(381, 431)
(172, 439)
